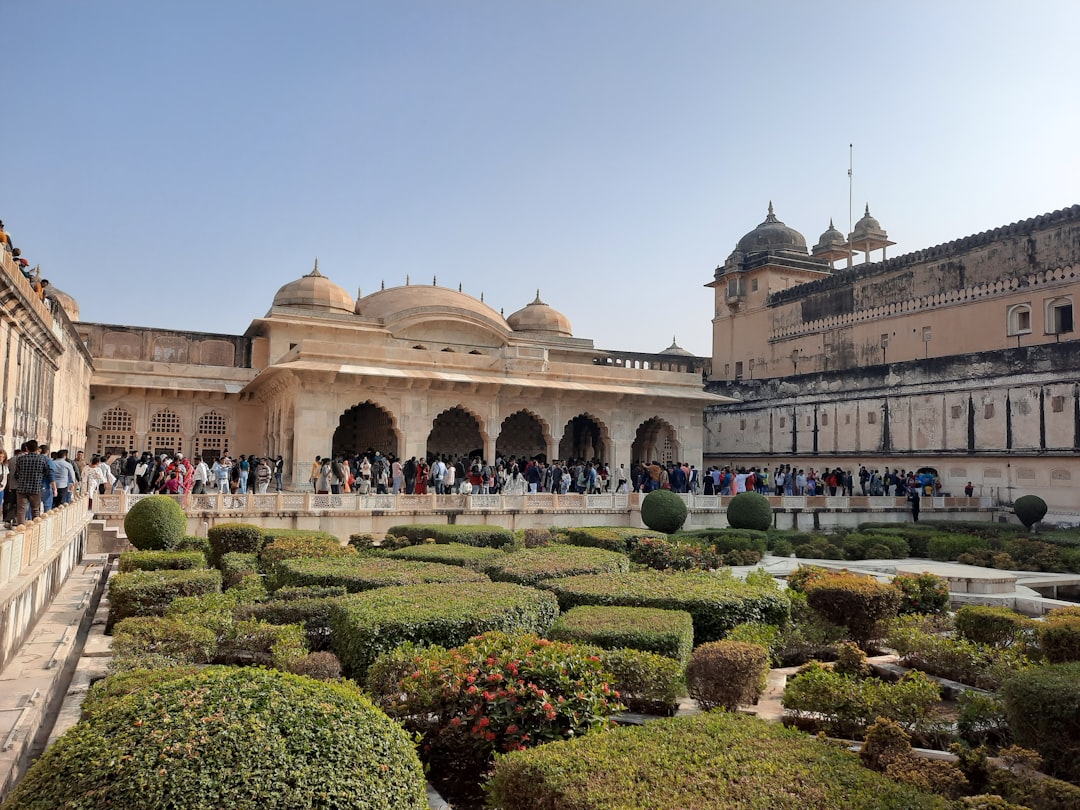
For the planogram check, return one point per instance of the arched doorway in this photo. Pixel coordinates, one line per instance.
(455, 433)
(584, 437)
(655, 441)
(365, 427)
(522, 435)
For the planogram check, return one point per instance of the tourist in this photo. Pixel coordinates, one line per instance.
(199, 476)
(263, 474)
(969, 490)
(315, 468)
(279, 471)
(913, 496)
(97, 477)
(65, 479)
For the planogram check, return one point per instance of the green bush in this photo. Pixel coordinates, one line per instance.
(240, 738)
(924, 648)
(664, 555)
(495, 693)
(945, 547)
(749, 510)
(768, 636)
(155, 641)
(644, 682)
(104, 693)
(888, 749)
(981, 718)
(861, 604)
(314, 544)
(531, 565)
(313, 614)
(712, 761)
(717, 602)
(1059, 638)
(365, 625)
(308, 592)
(845, 706)
(995, 625)
(190, 543)
(233, 537)
(727, 674)
(236, 565)
(148, 593)
(859, 546)
(362, 573)
(258, 643)
(663, 511)
(1043, 707)
(474, 557)
(851, 660)
(1029, 510)
(272, 533)
(155, 523)
(665, 632)
(922, 593)
(490, 536)
(723, 540)
(608, 537)
(160, 560)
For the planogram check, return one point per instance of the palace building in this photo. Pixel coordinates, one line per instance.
(961, 357)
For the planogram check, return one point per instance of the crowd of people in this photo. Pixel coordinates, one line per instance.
(39, 284)
(176, 474)
(35, 480)
(787, 480)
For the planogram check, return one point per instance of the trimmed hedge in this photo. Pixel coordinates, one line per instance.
(148, 593)
(995, 625)
(161, 560)
(104, 693)
(724, 540)
(310, 544)
(236, 565)
(141, 642)
(363, 573)
(224, 538)
(531, 565)
(727, 674)
(365, 625)
(1043, 707)
(475, 557)
(716, 602)
(645, 682)
(859, 603)
(155, 523)
(608, 537)
(1059, 637)
(712, 761)
(490, 536)
(666, 632)
(750, 510)
(258, 643)
(240, 738)
(191, 543)
(312, 614)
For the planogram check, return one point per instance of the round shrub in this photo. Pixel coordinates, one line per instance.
(155, 523)
(749, 510)
(231, 738)
(1043, 707)
(727, 674)
(1059, 638)
(1029, 509)
(226, 538)
(861, 604)
(663, 511)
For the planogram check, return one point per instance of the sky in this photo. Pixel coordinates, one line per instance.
(174, 164)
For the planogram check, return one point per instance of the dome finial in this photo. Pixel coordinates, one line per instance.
(538, 301)
(459, 287)
(831, 226)
(867, 209)
(315, 271)
(434, 281)
(481, 296)
(772, 215)
(382, 284)
(406, 279)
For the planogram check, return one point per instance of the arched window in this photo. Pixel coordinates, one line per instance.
(211, 438)
(116, 433)
(1059, 315)
(164, 436)
(1019, 319)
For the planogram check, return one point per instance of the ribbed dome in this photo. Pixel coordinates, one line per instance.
(772, 234)
(69, 304)
(539, 317)
(830, 240)
(868, 228)
(675, 348)
(314, 292)
(386, 305)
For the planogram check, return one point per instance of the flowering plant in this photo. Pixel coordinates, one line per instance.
(496, 693)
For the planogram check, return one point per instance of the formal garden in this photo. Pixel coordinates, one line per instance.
(593, 669)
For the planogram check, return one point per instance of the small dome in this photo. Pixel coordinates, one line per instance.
(675, 348)
(772, 234)
(868, 228)
(314, 292)
(66, 302)
(539, 317)
(832, 239)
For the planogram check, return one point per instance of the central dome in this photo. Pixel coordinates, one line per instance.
(772, 234)
(314, 292)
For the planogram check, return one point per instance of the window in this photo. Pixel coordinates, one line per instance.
(1059, 316)
(742, 424)
(871, 418)
(988, 410)
(1019, 319)
(783, 421)
(824, 419)
(753, 285)
(727, 370)
(1057, 404)
(956, 411)
(735, 287)
(927, 334)
(738, 370)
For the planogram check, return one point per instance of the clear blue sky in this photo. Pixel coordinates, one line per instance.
(173, 164)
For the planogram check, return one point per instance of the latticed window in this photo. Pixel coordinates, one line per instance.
(164, 436)
(211, 440)
(116, 432)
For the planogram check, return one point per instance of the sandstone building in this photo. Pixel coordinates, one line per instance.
(963, 357)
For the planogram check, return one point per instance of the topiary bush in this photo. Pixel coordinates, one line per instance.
(310, 544)
(727, 674)
(236, 565)
(922, 593)
(861, 604)
(1059, 637)
(474, 557)
(322, 666)
(155, 523)
(531, 565)
(749, 510)
(1043, 706)
(711, 761)
(142, 642)
(160, 560)
(416, 533)
(664, 555)
(226, 538)
(149, 593)
(665, 632)
(360, 572)
(229, 737)
(996, 626)
(1029, 510)
(313, 614)
(645, 682)
(102, 694)
(663, 511)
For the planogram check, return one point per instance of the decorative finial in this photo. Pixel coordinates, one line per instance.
(673, 339)
(481, 296)
(406, 279)
(382, 284)
(434, 282)
(537, 301)
(459, 286)
(770, 208)
(868, 209)
(831, 226)
(315, 270)
(771, 216)
(359, 294)
(502, 312)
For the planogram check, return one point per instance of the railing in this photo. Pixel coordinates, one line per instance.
(289, 502)
(25, 545)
